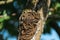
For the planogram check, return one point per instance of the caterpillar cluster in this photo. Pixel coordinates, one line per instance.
(29, 19)
(27, 25)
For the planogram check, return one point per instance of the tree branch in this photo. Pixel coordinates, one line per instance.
(3, 2)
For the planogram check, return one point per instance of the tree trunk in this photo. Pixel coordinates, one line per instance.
(40, 26)
(31, 23)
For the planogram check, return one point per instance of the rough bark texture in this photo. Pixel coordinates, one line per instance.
(31, 23)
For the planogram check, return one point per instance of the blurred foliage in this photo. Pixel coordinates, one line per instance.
(10, 12)
(3, 17)
(53, 18)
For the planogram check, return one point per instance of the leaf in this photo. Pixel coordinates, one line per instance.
(57, 5)
(1, 19)
(4, 12)
(50, 13)
(5, 16)
(1, 25)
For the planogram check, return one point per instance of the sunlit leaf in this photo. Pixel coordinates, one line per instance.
(57, 5)
(50, 13)
(5, 15)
